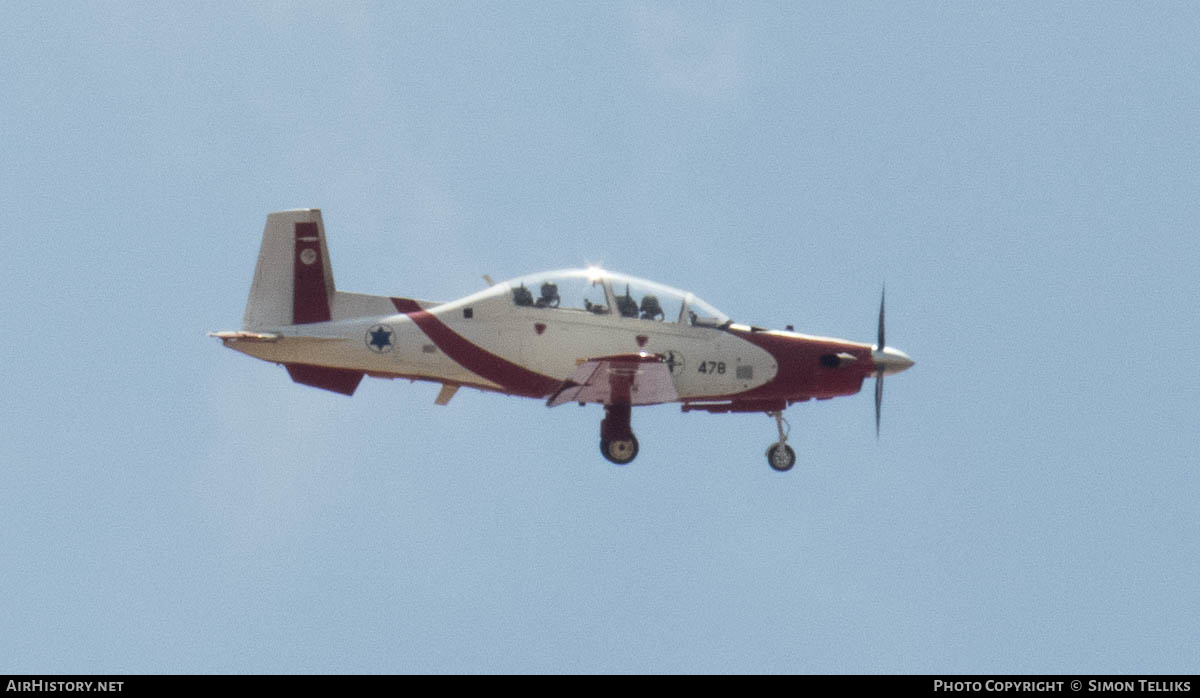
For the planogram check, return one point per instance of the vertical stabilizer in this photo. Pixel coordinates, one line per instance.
(293, 282)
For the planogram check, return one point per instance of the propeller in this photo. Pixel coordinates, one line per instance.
(879, 372)
(887, 360)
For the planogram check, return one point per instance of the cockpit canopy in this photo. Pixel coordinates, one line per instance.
(604, 292)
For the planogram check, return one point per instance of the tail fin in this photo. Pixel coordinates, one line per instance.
(293, 282)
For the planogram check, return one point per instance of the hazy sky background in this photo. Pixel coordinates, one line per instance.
(1024, 177)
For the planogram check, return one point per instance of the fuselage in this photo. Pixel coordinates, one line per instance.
(581, 335)
(525, 337)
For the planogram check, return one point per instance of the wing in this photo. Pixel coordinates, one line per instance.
(625, 379)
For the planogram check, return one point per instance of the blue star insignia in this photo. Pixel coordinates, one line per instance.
(380, 338)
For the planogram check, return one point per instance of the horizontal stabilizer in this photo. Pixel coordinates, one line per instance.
(338, 380)
(244, 336)
(228, 336)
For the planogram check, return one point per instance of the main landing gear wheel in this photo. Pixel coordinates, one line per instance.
(781, 457)
(622, 451)
(617, 442)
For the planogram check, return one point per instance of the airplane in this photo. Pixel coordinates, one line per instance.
(571, 336)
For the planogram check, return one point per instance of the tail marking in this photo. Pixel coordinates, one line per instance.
(310, 297)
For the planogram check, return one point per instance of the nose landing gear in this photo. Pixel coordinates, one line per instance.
(780, 456)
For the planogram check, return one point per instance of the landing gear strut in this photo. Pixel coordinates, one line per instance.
(780, 456)
(617, 442)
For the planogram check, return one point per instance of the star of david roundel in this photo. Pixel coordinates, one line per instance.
(674, 361)
(379, 339)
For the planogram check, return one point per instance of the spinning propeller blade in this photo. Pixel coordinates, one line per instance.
(882, 296)
(878, 399)
(879, 372)
(887, 360)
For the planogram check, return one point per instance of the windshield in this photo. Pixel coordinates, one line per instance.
(609, 293)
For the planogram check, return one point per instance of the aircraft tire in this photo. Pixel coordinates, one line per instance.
(619, 451)
(783, 459)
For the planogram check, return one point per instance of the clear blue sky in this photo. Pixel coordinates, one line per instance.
(1024, 177)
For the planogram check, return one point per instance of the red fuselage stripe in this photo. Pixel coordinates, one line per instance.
(800, 375)
(512, 377)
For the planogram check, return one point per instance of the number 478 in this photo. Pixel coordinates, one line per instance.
(712, 367)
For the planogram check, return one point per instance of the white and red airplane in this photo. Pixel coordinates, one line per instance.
(579, 335)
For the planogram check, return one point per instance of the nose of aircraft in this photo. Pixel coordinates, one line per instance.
(891, 360)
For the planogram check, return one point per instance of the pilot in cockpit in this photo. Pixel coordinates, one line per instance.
(651, 310)
(627, 306)
(549, 297)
